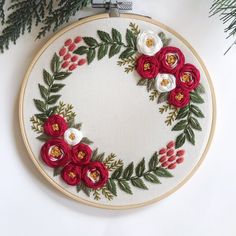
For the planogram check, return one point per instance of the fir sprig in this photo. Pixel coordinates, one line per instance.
(61, 15)
(226, 9)
(24, 14)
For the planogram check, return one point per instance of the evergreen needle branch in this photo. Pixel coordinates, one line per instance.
(23, 15)
(61, 15)
(226, 9)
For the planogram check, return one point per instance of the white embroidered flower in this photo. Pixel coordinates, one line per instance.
(165, 82)
(73, 136)
(149, 43)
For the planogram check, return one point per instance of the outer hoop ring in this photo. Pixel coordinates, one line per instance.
(26, 142)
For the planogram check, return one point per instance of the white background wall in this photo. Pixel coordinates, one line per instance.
(206, 205)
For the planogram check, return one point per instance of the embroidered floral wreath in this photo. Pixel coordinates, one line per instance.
(169, 80)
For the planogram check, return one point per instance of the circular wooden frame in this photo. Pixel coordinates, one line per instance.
(22, 127)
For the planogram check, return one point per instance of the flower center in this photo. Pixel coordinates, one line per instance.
(186, 78)
(94, 175)
(55, 152)
(55, 127)
(147, 66)
(165, 82)
(72, 136)
(171, 59)
(71, 174)
(81, 155)
(179, 96)
(150, 42)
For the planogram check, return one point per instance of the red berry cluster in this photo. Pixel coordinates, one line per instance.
(70, 61)
(170, 157)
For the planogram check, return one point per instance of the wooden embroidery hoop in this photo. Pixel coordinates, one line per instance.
(22, 126)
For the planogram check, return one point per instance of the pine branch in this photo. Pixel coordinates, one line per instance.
(2, 14)
(24, 14)
(226, 9)
(61, 15)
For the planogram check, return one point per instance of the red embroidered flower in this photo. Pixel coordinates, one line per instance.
(95, 175)
(81, 154)
(179, 97)
(188, 77)
(147, 67)
(71, 174)
(171, 59)
(55, 153)
(55, 126)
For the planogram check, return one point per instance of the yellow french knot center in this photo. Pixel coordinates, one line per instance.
(147, 66)
(94, 175)
(165, 82)
(150, 42)
(72, 136)
(179, 96)
(171, 59)
(55, 127)
(71, 174)
(186, 78)
(81, 155)
(55, 152)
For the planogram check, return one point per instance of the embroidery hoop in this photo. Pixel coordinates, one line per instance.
(26, 141)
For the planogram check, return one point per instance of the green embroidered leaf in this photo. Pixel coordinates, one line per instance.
(194, 123)
(42, 117)
(196, 111)
(183, 112)
(56, 87)
(102, 51)
(180, 140)
(77, 126)
(140, 168)
(129, 52)
(163, 97)
(124, 186)
(116, 35)
(131, 38)
(161, 172)
(100, 157)
(190, 135)
(51, 111)
(47, 78)
(55, 64)
(142, 82)
(153, 161)
(164, 39)
(151, 84)
(43, 91)
(137, 182)
(196, 98)
(81, 50)
(94, 155)
(57, 171)
(200, 89)
(86, 141)
(53, 99)
(40, 105)
(91, 55)
(180, 125)
(84, 189)
(61, 75)
(117, 173)
(43, 137)
(111, 186)
(91, 42)
(151, 178)
(128, 171)
(105, 37)
(115, 49)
